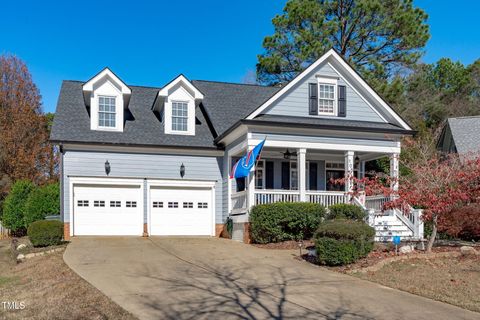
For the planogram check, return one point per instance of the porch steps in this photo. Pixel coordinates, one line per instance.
(237, 232)
(389, 226)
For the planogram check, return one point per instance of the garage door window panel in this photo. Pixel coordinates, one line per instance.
(202, 205)
(82, 203)
(131, 204)
(157, 204)
(188, 205)
(99, 203)
(115, 204)
(173, 204)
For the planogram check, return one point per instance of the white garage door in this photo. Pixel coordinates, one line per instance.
(181, 211)
(107, 210)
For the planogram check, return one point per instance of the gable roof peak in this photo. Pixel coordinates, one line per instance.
(183, 81)
(106, 73)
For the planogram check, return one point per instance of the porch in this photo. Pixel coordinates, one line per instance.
(286, 174)
(304, 175)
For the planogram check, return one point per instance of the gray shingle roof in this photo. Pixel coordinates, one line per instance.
(227, 103)
(466, 134)
(72, 122)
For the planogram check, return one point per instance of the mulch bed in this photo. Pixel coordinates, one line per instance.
(376, 256)
(285, 245)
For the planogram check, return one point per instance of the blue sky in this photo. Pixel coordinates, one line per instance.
(149, 43)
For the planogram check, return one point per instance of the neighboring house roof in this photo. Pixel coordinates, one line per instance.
(142, 126)
(462, 135)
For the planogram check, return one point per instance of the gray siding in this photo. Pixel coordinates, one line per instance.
(295, 102)
(132, 165)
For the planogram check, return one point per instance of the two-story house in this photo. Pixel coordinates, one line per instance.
(156, 161)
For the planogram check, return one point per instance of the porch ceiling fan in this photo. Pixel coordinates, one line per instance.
(288, 154)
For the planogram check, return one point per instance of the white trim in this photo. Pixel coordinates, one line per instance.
(290, 85)
(180, 183)
(72, 181)
(164, 92)
(326, 146)
(146, 150)
(263, 169)
(88, 86)
(351, 72)
(327, 81)
(369, 89)
(359, 94)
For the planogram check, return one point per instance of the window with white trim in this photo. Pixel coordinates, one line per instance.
(327, 103)
(293, 175)
(106, 112)
(260, 175)
(179, 116)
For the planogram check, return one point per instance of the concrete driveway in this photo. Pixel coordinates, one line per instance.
(207, 278)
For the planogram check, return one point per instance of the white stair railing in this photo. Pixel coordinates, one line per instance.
(239, 202)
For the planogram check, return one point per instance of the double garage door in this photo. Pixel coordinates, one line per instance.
(119, 210)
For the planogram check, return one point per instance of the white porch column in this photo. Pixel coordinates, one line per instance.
(301, 172)
(394, 170)
(349, 171)
(250, 184)
(229, 183)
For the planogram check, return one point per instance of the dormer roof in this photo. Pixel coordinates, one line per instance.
(103, 75)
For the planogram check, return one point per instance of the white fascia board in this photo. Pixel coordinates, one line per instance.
(145, 150)
(360, 95)
(291, 84)
(197, 95)
(369, 89)
(334, 55)
(326, 146)
(88, 86)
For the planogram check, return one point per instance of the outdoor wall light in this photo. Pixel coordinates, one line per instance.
(357, 161)
(107, 167)
(182, 170)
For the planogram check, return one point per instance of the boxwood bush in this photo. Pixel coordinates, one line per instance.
(44, 233)
(346, 211)
(283, 221)
(342, 241)
(42, 202)
(14, 206)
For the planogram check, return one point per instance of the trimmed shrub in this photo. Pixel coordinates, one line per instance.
(42, 202)
(283, 221)
(346, 211)
(14, 206)
(340, 242)
(45, 233)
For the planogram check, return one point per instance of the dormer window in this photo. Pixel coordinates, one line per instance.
(179, 116)
(106, 112)
(177, 103)
(107, 98)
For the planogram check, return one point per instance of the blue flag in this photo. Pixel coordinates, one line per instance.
(242, 168)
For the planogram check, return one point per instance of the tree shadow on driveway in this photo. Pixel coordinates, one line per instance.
(198, 292)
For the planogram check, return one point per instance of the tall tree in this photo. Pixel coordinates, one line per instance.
(24, 147)
(378, 37)
(439, 90)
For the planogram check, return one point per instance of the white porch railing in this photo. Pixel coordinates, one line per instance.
(326, 198)
(271, 196)
(376, 202)
(239, 202)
